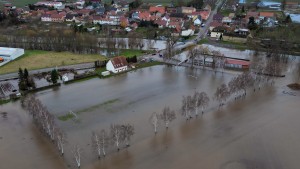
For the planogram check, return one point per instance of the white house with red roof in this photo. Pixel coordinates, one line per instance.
(46, 18)
(117, 64)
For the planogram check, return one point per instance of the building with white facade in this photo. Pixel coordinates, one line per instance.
(117, 64)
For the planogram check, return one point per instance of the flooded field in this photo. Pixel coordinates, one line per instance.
(258, 132)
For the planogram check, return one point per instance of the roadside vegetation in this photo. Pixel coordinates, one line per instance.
(4, 101)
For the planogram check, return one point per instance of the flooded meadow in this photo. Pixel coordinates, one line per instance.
(260, 131)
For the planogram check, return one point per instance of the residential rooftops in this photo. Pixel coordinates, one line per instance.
(119, 61)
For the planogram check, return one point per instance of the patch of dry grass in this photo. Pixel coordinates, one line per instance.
(44, 59)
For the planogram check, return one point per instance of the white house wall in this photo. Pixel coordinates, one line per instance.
(215, 34)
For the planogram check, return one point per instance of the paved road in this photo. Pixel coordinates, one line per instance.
(77, 66)
(202, 33)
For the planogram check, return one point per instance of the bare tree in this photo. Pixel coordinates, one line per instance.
(216, 58)
(171, 41)
(190, 106)
(185, 107)
(221, 94)
(205, 54)
(60, 140)
(96, 143)
(233, 87)
(257, 69)
(150, 44)
(196, 101)
(122, 43)
(127, 133)
(154, 120)
(204, 101)
(45, 121)
(76, 151)
(192, 54)
(167, 116)
(103, 141)
(116, 134)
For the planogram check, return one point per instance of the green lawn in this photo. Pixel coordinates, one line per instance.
(203, 41)
(132, 52)
(36, 59)
(226, 12)
(4, 101)
(235, 45)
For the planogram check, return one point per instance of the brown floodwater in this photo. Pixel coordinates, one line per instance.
(258, 132)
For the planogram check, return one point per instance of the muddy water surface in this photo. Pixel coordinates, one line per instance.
(260, 131)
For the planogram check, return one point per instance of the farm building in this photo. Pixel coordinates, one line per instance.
(237, 64)
(117, 64)
(9, 54)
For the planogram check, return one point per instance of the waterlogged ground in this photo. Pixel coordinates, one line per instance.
(258, 132)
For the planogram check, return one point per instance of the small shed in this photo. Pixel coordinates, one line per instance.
(105, 73)
(237, 64)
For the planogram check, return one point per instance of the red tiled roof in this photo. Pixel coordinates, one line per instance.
(253, 14)
(119, 61)
(144, 15)
(57, 16)
(51, 12)
(159, 9)
(237, 62)
(175, 19)
(267, 14)
(215, 24)
(46, 16)
(204, 15)
(161, 22)
(96, 17)
(134, 25)
(174, 24)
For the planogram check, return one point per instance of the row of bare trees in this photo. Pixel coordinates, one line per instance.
(166, 117)
(101, 141)
(238, 86)
(44, 120)
(78, 43)
(191, 104)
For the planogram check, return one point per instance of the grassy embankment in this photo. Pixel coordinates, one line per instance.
(4, 101)
(36, 59)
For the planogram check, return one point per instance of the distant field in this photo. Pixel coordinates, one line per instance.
(35, 59)
(19, 3)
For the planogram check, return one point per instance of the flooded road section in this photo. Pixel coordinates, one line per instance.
(260, 131)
